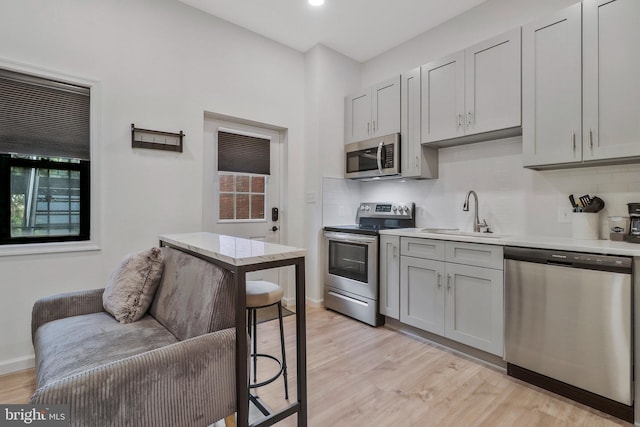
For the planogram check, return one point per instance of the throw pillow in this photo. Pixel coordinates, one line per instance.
(132, 285)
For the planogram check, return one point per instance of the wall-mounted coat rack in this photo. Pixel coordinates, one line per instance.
(157, 140)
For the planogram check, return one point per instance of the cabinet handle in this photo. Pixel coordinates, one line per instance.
(368, 128)
(417, 161)
(374, 126)
(449, 282)
(590, 139)
(459, 121)
(395, 251)
(469, 118)
(439, 280)
(573, 140)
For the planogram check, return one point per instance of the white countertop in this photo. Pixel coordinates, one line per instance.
(604, 247)
(236, 251)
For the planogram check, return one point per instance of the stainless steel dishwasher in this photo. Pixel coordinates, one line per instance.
(568, 325)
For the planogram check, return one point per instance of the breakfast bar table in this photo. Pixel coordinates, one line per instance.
(240, 256)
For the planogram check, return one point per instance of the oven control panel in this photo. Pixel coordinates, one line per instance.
(386, 210)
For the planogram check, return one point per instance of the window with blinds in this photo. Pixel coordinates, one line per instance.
(44, 160)
(244, 163)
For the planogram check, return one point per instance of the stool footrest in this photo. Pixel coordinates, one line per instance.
(273, 378)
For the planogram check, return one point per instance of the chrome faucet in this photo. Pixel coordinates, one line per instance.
(477, 225)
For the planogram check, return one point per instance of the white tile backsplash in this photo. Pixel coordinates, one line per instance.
(340, 201)
(513, 200)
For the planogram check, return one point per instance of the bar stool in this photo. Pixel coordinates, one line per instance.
(261, 294)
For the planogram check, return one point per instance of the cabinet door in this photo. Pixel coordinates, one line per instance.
(551, 89)
(410, 123)
(385, 107)
(443, 98)
(474, 307)
(492, 84)
(611, 115)
(357, 120)
(422, 294)
(390, 276)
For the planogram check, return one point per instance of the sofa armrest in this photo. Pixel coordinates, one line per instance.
(68, 304)
(190, 383)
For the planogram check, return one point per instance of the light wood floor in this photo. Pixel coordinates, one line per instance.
(364, 376)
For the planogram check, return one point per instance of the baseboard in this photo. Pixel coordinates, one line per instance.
(291, 302)
(17, 364)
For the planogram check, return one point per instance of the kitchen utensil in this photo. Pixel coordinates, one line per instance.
(596, 205)
(573, 201)
(586, 200)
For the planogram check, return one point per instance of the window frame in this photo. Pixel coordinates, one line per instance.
(249, 193)
(93, 243)
(7, 162)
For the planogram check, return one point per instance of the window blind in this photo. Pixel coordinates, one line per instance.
(43, 117)
(243, 154)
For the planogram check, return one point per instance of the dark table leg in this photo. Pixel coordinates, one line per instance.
(242, 380)
(301, 344)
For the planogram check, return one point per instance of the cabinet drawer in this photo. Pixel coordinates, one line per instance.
(422, 248)
(489, 256)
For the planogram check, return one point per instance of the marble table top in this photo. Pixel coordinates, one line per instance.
(232, 250)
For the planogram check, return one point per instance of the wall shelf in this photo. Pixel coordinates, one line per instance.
(157, 140)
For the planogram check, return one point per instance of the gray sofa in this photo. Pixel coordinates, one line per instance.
(173, 367)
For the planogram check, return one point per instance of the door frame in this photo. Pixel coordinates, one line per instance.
(286, 277)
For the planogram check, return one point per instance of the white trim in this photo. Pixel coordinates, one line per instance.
(243, 133)
(17, 364)
(95, 193)
(48, 248)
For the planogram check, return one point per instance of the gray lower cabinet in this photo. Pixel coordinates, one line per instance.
(463, 302)
(389, 276)
(474, 312)
(421, 294)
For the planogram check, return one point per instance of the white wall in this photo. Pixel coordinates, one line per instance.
(329, 76)
(161, 65)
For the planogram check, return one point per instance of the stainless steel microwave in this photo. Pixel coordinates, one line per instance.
(376, 157)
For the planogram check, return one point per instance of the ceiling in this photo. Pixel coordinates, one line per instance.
(360, 29)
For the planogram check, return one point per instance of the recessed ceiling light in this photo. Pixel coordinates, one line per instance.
(316, 2)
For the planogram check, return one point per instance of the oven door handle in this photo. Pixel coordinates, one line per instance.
(350, 238)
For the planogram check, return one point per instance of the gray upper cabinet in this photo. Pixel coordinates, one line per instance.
(357, 123)
(580, 93)
(551, 89)
(373, 112)
(473, 92)
(493, 88)
(611, 61)
(417, 161)
(443, 98)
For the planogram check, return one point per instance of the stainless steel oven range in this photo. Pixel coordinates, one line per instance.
(351, 267)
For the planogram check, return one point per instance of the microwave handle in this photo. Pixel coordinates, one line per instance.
(380, 146)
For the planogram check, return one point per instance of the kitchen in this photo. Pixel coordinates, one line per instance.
(525, 203)
(514, 200)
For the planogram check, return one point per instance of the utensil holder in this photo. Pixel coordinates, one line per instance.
(586, 225)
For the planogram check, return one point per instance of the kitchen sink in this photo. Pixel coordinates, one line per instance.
(456, 232)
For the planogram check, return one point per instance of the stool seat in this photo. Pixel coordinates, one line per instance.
(261, 293)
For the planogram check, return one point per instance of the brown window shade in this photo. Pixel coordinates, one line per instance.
(43, 117)
(244, 154)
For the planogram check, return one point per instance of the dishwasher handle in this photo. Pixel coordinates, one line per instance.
(588, 261)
